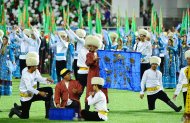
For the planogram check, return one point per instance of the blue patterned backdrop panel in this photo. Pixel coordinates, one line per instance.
(121, 70)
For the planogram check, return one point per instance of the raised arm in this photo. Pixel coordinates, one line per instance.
(52, 41)
(78, 39)
(65, 44)
(37, 37)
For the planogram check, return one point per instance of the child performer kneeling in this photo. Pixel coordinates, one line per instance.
(98, 99)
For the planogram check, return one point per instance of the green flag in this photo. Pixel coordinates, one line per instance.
(42, 5)
(185, 23)
(98, 20)
(52, 25)
(160, 21)
(133, 25)
(89, 22)
(26, 14)
(1, 5)
(152, 26)
(118, 22)
(68, 17)
(3, 25)
(80, 19)
(64, 15)
(126, 23)
(47, 20)
(19, 16)
(182, 25)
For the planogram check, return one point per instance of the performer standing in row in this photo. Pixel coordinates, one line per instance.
(145, 48)
(83, 68)
(61, 50)
(23, 46)
(79, 44)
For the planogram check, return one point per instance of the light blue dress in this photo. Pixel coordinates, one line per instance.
(6, 68)
(169, 74)
(53, 65)
(183, 61)
(70, 56)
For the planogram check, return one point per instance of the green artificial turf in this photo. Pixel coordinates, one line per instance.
(125, 107)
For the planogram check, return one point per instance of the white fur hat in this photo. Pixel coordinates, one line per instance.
(155, 59)
(165, 33)
(113, 34)
(32, 54)
(148, 34)
(81, 33)
(142, 32)
(97, 81)
(93, 40)
(62, 33)
(1, 33)
(100, 36)
(187, 54)
(27, 32)
(32, 59)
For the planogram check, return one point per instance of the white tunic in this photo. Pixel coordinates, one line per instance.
(182, 80)
(61, 48)
(69, 101)
(145, 48)
(23, 46)
(80, 42)
(135, 46)
(28, 81)
(81, 62)
(100, 103)
(151, 79)
(34, 45)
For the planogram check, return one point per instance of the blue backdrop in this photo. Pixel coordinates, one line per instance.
(121, 70)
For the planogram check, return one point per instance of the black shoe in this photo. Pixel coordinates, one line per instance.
(17, 77)
(11, 113)
(17, 106)
(172, 105)
(178, 109)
